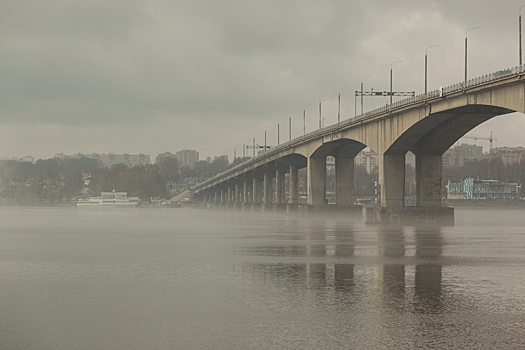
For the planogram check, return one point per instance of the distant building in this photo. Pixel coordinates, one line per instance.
(483, 189)
(111, 159)
(460, 154)
(29, 159)
(187, 157)
(367, 158)
(509, 155)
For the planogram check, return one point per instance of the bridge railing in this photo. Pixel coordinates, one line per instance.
(407, 101)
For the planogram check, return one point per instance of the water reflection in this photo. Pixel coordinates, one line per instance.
(323, 245)
(428, 275)
(392, 273)
(328, 256)
(343, 273)
(330, 239)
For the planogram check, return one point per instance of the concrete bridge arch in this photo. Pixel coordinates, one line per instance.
(426, 126)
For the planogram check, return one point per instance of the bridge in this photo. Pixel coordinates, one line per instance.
(427, 125)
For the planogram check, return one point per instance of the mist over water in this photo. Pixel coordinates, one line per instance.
(75, 278)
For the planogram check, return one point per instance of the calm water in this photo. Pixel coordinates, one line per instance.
(193, 279)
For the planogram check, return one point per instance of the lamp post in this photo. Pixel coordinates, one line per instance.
(466, 52)
(304, 118)
(244, 148)
(339, 105)
(391, 64)
(290, 125)
(320, 113)
(235, 152)
(265, 146)
(428, 47)
(254, 144)
(520, 34)
(366, 76)
(278, 132)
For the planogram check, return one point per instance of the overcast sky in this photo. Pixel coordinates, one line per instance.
(148, 76)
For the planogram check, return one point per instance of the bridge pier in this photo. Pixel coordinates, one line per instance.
(246, 204)
(428, 180)
(279, 185)
(392, 180)
(294, 184)
(230, 194)
(267, 183)
(344, 180)
(256, 201)
(428, 207)
(316, 180)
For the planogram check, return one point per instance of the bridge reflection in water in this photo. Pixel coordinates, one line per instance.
(397, 267)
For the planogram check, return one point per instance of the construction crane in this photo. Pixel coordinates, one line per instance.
(491, 138)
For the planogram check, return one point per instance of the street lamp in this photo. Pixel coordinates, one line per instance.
(466, 52)
(278, 140)
(265, 137)
(320, 124)
(245, 147)
(366, 76)
(339, 105)
(428, 47)
(290, 125)
(254, 144)
(520, 33)
(391, 64)
(304, 118)
(235, 152)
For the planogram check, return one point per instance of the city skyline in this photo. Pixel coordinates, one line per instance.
(147, 77)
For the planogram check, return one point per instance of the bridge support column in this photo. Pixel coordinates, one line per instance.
(216, 199)
(229, 204)
(344, 181)
(256, 198)
(245, 200)
(293, 189)
(392, 180)
(316, 181)
(237, 197)
(245, 191)
(428, 180)
(255, 190)
(294, 184)
(267, 183)
(279, 186)
(280, 204)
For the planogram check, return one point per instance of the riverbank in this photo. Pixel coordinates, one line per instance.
(486, 203)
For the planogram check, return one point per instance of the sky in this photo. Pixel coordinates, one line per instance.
(149, 76)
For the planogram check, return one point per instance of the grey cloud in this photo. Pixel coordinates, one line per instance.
(112, 62)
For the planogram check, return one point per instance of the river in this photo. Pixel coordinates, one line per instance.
(142, 278)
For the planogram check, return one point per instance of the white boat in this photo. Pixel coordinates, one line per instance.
(110, 199)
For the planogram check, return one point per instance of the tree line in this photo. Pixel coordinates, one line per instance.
(54, 180)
